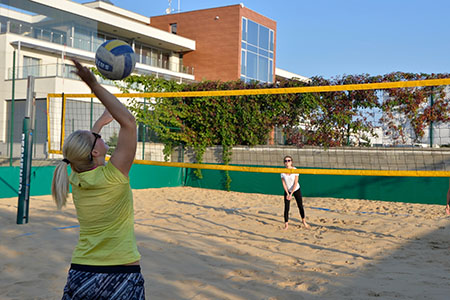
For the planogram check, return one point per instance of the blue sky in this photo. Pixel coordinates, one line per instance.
(335, 37)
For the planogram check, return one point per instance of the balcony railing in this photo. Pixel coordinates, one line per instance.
(49, 70)
(88, 44)
(65, 71)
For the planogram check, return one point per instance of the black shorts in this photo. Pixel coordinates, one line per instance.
(104, 282)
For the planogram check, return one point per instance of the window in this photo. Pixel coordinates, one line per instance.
(263, 37)
(257, 47)
(155, 58)
(243, 64)
(165, 60)
(82, 39)
(147, 56)
(252, 34)
(31, 66)
(173, 28)
(244, 29)
(263, 68)
(98, 39)
(68, 71)
(252, 65)
(271, 40)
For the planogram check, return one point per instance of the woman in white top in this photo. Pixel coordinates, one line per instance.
(291, 188)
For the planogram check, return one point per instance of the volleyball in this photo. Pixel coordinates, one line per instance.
(115, 59)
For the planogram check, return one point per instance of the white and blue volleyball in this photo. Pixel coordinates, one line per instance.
(115, 59)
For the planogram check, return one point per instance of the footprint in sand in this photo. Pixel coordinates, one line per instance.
(245, 274)
(194, 283)
(305, 286)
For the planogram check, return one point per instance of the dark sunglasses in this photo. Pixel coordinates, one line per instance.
(287, 160)
(97, 136)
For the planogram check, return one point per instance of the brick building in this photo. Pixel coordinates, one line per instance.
(232, 42)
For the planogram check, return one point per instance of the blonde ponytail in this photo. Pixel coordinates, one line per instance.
(76, 149)
(60, 185)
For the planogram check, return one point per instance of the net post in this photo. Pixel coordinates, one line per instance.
(144, 131)
(11, 137)
(63, 115)
(431, 122)
(26, 154)
(91, 116)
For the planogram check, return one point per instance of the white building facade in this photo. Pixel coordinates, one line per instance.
(44, 35)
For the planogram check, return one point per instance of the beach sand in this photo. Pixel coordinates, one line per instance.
(208, 244)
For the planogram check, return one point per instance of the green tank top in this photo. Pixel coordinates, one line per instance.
(104, 205)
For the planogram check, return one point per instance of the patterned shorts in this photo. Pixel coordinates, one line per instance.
(104, 282)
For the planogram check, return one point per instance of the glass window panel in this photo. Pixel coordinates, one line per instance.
(20, 28)
(59, 38)
(271, 40)
(165, 60)
(243, 62)
(263, 52)
(173, 27)
(243, 45)
(31, 66)
(82, 39)
(271, 54)
(252, 48)
(263, 69)
(3, 27)
(146, 56)
(263, 37)
(252, 33)
(155, 61)
(46, 35)
(67, 71)
(244, 29)
(98, 40)
(252, 65)
(270, 70)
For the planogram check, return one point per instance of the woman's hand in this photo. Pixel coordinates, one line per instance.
(105, 118)
(85, 74)
(102, 121)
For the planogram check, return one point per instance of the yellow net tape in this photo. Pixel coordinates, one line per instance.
(299, 171)
(272, 91)
(293, 90)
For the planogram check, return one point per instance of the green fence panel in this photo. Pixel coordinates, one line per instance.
(9, 182)
(141, 177)
(40, 181)
(427, 190)
(146, 176)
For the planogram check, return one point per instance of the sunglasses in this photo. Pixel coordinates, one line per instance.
(97, 136)
(287, 160)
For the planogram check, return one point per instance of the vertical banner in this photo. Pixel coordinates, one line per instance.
(26, 155)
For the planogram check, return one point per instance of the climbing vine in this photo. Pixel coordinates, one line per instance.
(319, 119)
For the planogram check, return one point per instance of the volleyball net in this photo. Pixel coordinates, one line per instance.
(378, 129)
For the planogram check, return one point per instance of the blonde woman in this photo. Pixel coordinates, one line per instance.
(291, 188)
(105, 262)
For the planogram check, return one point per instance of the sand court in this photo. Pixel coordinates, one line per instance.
(208, 244)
